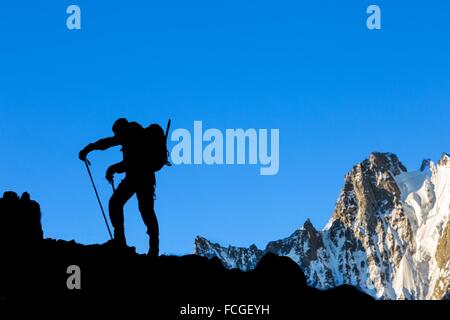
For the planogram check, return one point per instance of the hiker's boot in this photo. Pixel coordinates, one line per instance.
(153, 250)
(119, 238)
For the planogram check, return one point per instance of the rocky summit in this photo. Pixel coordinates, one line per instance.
(389, 234)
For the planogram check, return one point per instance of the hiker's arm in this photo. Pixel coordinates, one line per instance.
(115, 168)
(101, 144)
(104, 144)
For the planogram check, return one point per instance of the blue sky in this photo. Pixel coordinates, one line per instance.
(336, 91)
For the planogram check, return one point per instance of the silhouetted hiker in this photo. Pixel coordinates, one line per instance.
(144, 153)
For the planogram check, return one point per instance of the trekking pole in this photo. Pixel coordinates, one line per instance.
(87, 163)
(165, 140)
(167, 129)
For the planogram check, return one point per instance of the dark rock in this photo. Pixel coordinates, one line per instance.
(116, 279)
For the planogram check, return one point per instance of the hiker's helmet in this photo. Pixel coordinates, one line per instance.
(119, 126)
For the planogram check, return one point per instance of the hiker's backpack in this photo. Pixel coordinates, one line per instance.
(157, 140)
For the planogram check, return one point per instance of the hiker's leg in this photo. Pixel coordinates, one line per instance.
(122, 194)
(146, 201)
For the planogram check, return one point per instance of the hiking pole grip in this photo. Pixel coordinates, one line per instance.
(87, 163)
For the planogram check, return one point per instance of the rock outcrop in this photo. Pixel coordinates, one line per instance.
(37, 271)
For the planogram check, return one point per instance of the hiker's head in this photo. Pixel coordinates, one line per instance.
(119, 126)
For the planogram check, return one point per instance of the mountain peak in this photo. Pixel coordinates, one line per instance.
(386, 161)
(445, 160)
(425, 164)
(308, 225)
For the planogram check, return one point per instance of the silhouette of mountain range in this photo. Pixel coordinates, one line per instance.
(35, 270)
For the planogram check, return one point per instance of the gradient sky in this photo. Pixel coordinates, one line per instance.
(336, 91)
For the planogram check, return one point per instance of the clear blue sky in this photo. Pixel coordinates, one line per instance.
(336, 91)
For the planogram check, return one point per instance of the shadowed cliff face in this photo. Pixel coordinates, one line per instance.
(35, 270)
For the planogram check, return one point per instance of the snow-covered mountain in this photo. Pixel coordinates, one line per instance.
(389, 234)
